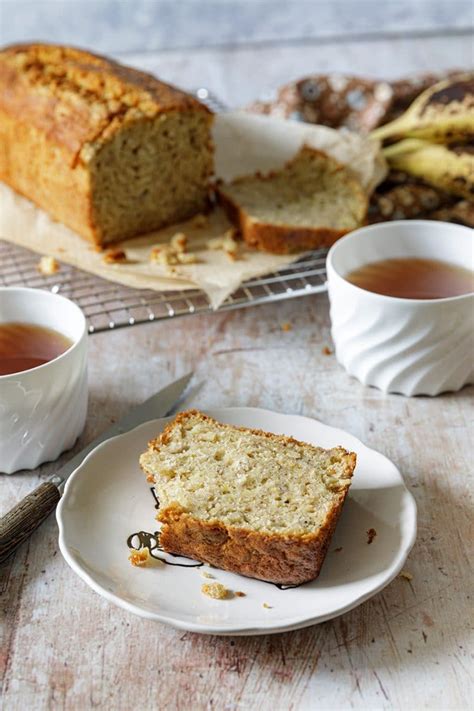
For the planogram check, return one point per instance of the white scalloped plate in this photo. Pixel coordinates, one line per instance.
(107, 499)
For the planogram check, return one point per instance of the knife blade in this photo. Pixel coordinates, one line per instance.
(19, 523)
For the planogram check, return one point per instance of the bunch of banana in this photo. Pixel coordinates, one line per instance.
(437, 137)
(442, 113)
(449, 168)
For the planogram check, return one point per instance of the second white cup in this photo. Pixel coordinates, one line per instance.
(407, 346)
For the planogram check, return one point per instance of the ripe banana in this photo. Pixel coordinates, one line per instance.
(442, 113)
(450, 168)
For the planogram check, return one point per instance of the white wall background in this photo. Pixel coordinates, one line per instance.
(244, 49)
(122, 26)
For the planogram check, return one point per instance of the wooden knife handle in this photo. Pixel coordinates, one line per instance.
(19, 523)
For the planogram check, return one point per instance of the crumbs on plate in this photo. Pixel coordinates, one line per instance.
(371, 533)
(326, 351)
(143, 558)
(139, 558)
(286, 326)
(267, 606)
(216, 591)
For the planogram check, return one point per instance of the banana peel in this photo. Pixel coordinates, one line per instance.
(449, 168)
(442, 113)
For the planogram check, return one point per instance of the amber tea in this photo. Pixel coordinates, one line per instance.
(413, 278)
(24, 346)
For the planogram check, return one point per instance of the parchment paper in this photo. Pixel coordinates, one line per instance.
(244, 144)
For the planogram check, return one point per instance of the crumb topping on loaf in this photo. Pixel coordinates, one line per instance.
(98, 93)
(246, 478)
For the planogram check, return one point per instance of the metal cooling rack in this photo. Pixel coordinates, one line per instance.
(109, 306)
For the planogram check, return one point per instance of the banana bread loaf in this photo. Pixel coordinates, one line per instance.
(109, 151)
(255, 503)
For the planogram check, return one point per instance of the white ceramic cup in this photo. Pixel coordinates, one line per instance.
(408, 346)
(43, 410)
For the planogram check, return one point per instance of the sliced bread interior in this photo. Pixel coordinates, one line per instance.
(311, 202)
(244, 500)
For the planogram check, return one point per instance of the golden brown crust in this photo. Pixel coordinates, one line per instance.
(287, 560)
(277, 239)
(284, 559)
(58, 106)
(282, 239)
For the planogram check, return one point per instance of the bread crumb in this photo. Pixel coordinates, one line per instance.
(227, 243)
(239, 593)
(174, 253)
(150, 478)
(286, 326)
(144, 559)
(115, 256)
(371, 533)
(230, 245)
(48, 266)
(326, 351)
(205, 574)
(139, 558)
(406, 575)
(163, 255)
(215, 590)
(267, 606)
(338, 550)
(200, 221)
(179, 242)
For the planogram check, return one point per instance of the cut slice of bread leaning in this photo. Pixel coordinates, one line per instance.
(244, 500)
(308, 204)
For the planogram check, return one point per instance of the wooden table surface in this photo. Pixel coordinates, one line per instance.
(64, 647)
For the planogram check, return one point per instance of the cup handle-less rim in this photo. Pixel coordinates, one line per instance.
(73, 347)
(334, 274)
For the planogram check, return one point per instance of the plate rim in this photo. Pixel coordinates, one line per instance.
(296, 623)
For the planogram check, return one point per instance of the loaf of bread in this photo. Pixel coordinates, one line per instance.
(255, 503)
(311, 202)
(109, 151)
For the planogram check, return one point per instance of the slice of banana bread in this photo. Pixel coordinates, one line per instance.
(248, 501)
(308, 204)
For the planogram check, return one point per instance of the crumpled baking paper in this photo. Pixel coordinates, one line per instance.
(244, 144)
